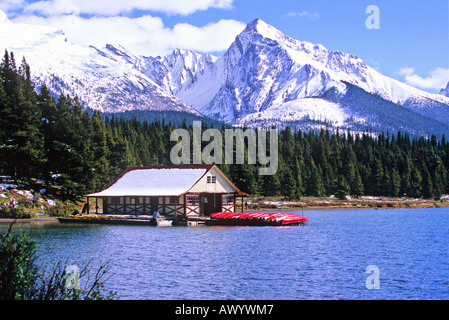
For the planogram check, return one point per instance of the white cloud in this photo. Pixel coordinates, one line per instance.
(8, 5)
(312, 15)
(114, 7)
(100, 22)
(210, 38)
(145, 35)
(436, 79)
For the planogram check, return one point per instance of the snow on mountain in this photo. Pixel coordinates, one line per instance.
(264, 78)
(105, 79)
(267, 77)
(445, 92)
(191, 77)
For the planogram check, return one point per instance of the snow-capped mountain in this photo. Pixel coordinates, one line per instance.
(264, 78)
(192, 77)
(105, 79)
(445, 91)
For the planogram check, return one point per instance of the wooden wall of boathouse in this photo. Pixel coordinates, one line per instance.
(167, 206)
(190, 205)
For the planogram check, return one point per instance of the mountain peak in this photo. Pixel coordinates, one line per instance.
(3, 17)
(264, 29)
(258, 28)
(255, 31)
(445, 92)
(255, 22)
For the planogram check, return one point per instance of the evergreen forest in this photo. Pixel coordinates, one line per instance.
(58, 143)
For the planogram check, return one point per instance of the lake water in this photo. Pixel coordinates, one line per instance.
(327, 259)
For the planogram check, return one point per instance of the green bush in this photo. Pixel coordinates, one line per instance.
(63, 210)
(16, 213)
(22, 279)
(17, 266)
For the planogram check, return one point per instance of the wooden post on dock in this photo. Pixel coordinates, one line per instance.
(176, 207)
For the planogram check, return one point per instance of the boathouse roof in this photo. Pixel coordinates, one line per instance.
(165, 181)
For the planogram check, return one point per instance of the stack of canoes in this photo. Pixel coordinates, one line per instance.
(257, 219)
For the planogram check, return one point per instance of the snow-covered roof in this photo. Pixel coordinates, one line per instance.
(158, 181)
(154, 181)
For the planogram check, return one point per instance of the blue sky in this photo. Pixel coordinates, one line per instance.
(411, 45)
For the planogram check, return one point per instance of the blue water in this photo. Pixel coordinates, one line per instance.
(326, 259)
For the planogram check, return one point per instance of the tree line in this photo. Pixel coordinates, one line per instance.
(59, 143)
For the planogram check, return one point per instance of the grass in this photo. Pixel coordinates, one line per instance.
(334, 203)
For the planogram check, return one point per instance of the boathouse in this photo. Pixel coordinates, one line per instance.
(172, 191)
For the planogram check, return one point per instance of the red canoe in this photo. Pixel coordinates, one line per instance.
(257, 219)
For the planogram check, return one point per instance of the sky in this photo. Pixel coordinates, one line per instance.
(404, 39)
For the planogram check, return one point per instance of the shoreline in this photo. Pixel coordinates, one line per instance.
(44, 219)
(307, 204)
(315, 203)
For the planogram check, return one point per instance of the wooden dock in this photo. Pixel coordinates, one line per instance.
(110, 221)
(137, 221)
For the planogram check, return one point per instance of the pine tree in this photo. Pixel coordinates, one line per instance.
(427, 184)
(271, 185)
(288, 183)
(343, 188)
(328, 177)
(297, 176)
(314, 186)
(47, 104)
(378, 177)
(356, 185)
(3, 119)
(99, 163)
(20, 119)
(415, 189)
(9, 75)
(395, 183)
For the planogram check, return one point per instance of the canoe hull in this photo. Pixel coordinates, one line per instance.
(256, 219)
